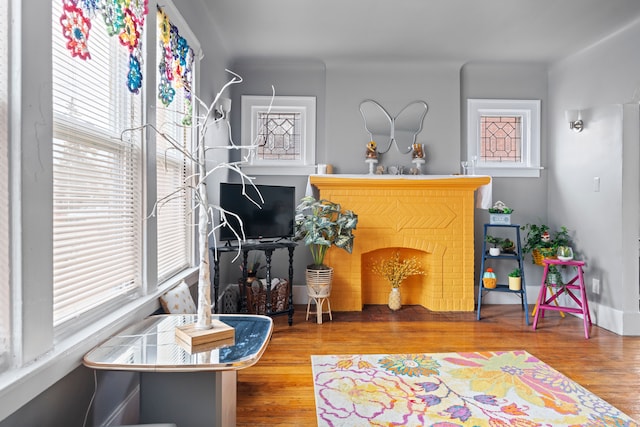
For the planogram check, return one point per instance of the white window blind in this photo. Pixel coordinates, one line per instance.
(173, 211)
(175, 224)
(96, 176)
(5, 288)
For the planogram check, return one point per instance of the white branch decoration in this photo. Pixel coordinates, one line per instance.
(196, 184)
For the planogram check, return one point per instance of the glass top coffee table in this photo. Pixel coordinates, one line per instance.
(190, 387)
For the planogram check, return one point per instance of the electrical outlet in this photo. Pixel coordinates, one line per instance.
(595, 286)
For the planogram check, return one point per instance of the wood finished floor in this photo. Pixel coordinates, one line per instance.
(278, 390)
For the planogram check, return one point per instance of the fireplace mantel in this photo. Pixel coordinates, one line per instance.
(425, 216)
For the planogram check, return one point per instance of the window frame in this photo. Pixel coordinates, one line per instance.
(88, 140)
(6, 345)
(192, 140)
(251, 106)
(529, 111)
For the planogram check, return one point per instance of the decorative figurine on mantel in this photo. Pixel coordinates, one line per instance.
(371, 155)
(418, 151)
(372, 151)
(417, 158)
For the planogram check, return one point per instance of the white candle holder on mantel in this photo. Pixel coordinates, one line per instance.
(418, 161)
(372, 164)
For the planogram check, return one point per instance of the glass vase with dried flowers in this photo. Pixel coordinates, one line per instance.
(395, 270)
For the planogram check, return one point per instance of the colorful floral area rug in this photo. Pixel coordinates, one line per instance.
(511, 388)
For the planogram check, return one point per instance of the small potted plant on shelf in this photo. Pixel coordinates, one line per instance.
(322, 224)
(496, 243)
(500, 214)
(565, 253)
(489, 279)
(515, 280)
(507, 246)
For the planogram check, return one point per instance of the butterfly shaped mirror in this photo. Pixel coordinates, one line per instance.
(400, 130)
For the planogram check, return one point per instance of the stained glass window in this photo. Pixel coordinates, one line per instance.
(279, 137)
(281, 132)
(501, 138)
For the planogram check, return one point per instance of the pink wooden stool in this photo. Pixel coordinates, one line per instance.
(551, 303)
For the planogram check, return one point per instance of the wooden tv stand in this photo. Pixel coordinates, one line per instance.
(268, 248)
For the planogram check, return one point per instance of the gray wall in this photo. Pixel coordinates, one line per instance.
(68, 401)
(393, 85)
(603, 81)
(527, 196)
(300, 77)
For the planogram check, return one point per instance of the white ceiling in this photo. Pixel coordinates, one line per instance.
(388, 30)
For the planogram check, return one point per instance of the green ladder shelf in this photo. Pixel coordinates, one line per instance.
(516, 256)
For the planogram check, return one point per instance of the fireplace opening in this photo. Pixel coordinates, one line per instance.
(375, 288)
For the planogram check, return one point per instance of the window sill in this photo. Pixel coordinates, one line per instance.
(510, 172)
(19, 386)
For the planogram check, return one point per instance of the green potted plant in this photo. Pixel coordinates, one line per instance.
(515, 280)
(495, 243)
(542, 243)
(321, 224)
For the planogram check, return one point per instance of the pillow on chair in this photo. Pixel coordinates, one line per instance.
(178, 300)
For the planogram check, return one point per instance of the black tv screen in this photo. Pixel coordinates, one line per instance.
(270, 220)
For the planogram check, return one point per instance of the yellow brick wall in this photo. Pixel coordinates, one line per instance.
(430, 219)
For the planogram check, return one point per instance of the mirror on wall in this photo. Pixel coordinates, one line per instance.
(400, 130)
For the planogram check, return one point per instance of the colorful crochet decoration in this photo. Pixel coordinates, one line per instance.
(124, 18)
(75, 28)
(175, 66)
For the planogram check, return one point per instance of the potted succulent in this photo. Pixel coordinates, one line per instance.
(496, 244)
(565, 253)
(500, 214)
(507, 245)
(515, 280)
(489, 279)
(321, 224)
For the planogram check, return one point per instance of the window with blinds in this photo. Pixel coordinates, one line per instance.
(97, 189)
(5, 278)
(172, 118)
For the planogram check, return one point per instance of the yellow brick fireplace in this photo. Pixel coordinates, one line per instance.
(426, 217)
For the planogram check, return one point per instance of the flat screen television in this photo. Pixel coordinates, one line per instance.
(268, 221)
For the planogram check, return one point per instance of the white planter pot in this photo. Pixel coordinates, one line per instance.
(494, 251)
(319, 282)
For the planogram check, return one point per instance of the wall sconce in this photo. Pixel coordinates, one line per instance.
(222, 108)
(575, 120)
